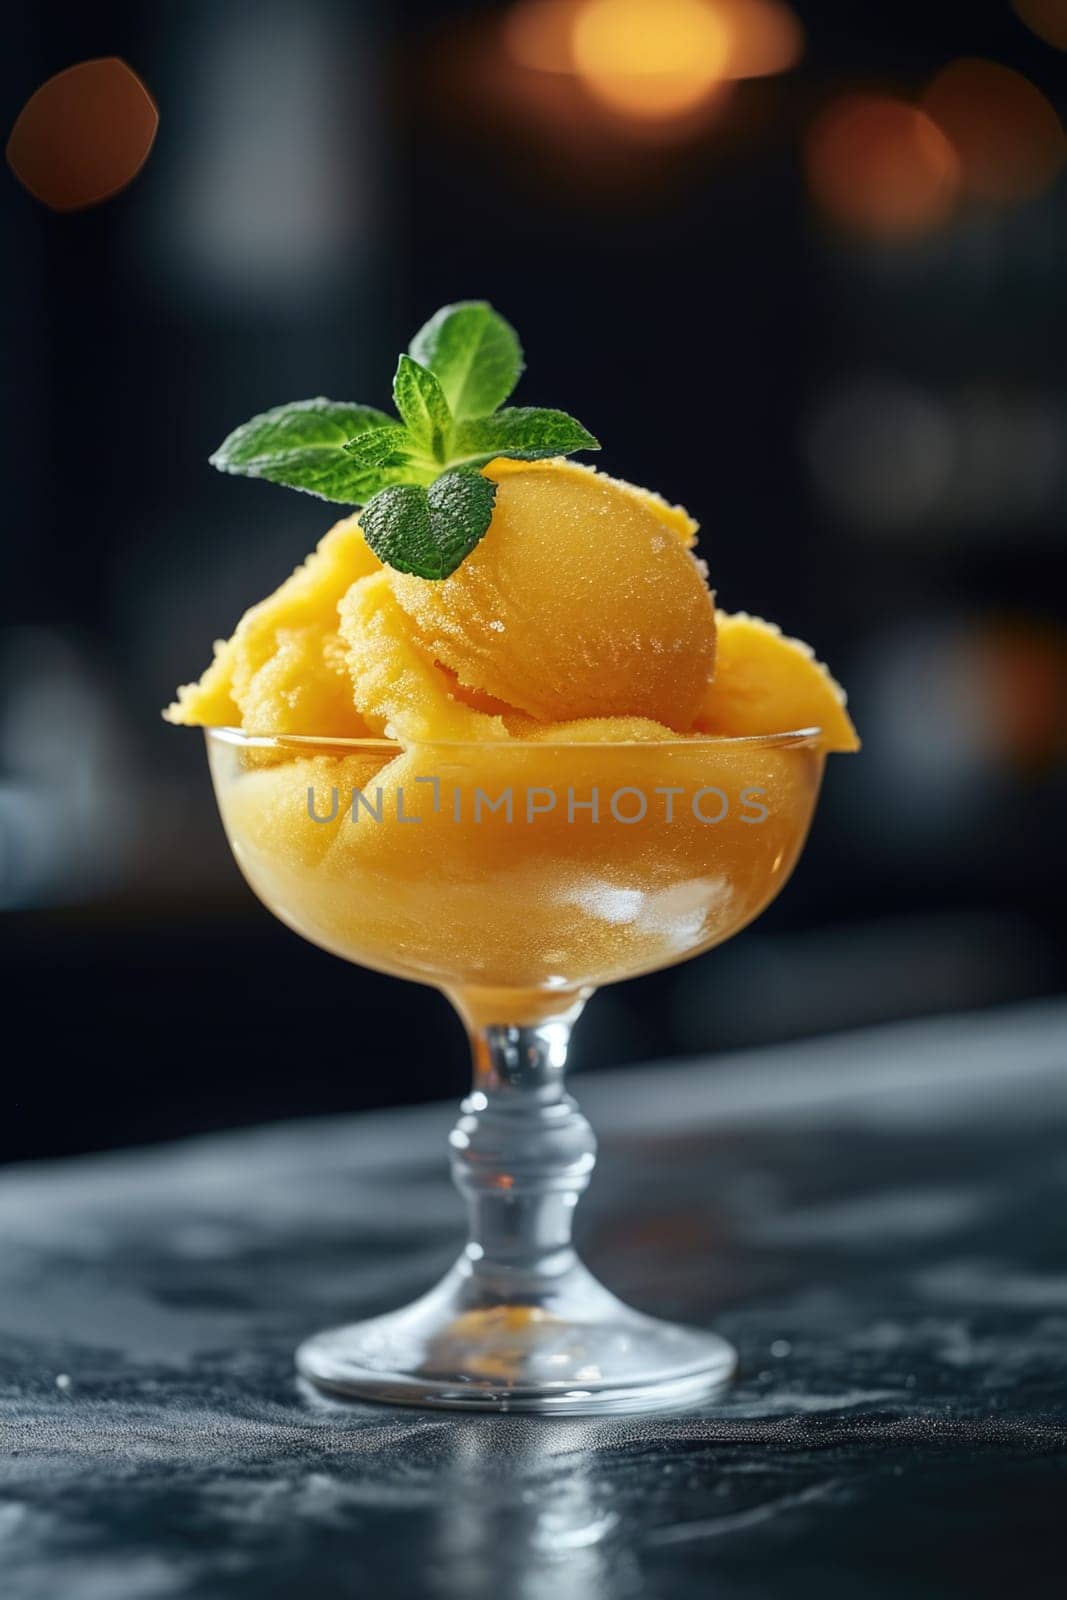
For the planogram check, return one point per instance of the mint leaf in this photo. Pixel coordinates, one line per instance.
(303, 446)
(429, 532)
(396, 525)
(527, 433)
(461, 509)
(378, 447)
(475, 354)
(389, 455)
(421, 402)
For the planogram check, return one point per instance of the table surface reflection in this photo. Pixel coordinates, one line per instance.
(875, 1219)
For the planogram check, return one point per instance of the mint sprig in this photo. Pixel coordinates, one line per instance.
(425, 503)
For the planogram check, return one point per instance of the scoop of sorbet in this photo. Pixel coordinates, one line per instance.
(582, 600)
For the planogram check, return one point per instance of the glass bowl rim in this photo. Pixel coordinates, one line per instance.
(798, 738)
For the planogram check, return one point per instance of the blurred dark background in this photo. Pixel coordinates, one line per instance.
(822, 306)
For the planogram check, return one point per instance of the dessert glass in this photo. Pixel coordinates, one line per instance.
(517, 877)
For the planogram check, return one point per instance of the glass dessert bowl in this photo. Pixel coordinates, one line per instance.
(517, 877)
(494, 735)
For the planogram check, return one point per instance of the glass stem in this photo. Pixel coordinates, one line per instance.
(522, 1154)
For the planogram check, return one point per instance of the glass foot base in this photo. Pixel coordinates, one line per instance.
(569, 1346)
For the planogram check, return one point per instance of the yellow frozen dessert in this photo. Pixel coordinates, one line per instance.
(582, 770)
(285, 668)
(582, 600)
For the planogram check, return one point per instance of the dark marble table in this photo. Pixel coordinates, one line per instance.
(877, 1220)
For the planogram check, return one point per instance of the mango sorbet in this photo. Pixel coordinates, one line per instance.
(765, 682)
(523, 868)
(493, 733)
(582, 600)
(493, 736)
(285, 669)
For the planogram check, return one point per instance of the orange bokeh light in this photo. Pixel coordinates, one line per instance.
(881, 167)
(83, 135)
(650, 60)
(1023, 670)
(537, 34)
(766, 37)
(1046, 18)
(654, 59)
(1010, 141)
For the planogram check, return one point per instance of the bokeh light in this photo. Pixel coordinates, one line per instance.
(881, 167)
(1025, 679)
(765, 37)
(1009, 139)
(654, 59)
(1046, 18)
(83, 135)
(537, 34)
